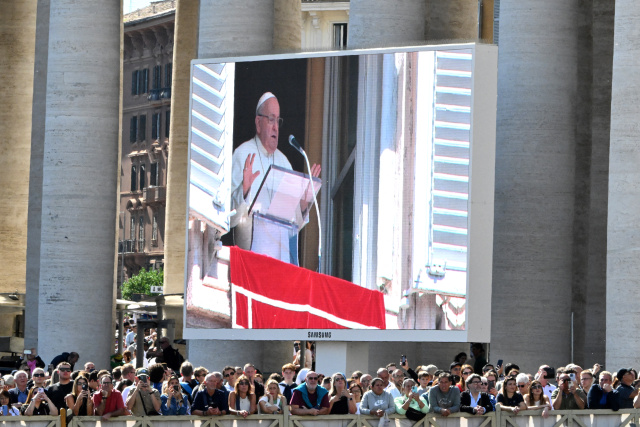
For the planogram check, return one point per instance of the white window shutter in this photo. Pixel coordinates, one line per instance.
(210, 144)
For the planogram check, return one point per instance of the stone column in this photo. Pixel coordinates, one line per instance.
(185, 44)
(235, 27)
(623, 262)
(452, 19)
(534, 194)
(287, 25)
(73, 180)
(17, 49)
(379, 23)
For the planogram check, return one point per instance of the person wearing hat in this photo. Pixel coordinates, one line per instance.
(626, 392)
(143, 399)
(251, 161)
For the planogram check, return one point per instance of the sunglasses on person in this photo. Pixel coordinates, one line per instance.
(467, 373)
(229, 374)
(312, 378)
(243, 383)
(522, 385)
(535, 387)
(38, 375)
(64, 369)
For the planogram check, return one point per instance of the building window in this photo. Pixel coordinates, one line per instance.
(142, 131)
(166, 123)
(143, 87)
(143, 176)
(134, 178)
(155, 126)
(135, 82)
(141, 234)
(168, 70)
(154, 229)
(133, 129)
(157, 76)
(153, 176)
(340, 36)
(132, 228)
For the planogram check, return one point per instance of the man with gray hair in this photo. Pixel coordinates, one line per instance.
(251, 161)
(210, 400)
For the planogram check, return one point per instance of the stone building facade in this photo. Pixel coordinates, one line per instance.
(146, 118)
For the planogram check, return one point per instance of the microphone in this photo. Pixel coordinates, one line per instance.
(295, 144)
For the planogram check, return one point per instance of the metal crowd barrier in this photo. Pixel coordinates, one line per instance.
(581, 418)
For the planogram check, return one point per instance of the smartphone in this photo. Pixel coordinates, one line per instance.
(296, 347)
(176, 387)
(5, 410)
(85, 387)
(492, 384)
(27, 351)
(414, 389)
(573, 377)
(403, 359)
(499, 363)
(40, 390)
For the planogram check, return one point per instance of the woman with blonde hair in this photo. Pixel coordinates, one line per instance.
(272, 402)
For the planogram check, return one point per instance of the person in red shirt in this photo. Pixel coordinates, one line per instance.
(108, 402)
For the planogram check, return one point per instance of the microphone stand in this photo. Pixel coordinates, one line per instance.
(315, 201)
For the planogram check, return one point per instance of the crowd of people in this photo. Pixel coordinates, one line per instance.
(159, 389)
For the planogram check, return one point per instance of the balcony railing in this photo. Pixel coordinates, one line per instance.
(154, 95)
(626, 417)
(152, 195)
(130, 246)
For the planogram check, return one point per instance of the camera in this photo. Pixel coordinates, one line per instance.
(176, 387)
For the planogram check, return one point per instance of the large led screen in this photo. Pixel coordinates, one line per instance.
(397, 243)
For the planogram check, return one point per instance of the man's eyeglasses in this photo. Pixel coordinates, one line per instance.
(229, 374)
(312, 378)
(38, 375)
(273, 119)
(476, 382)
(522, 385)
(64, 369)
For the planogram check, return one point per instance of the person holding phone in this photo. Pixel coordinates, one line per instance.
(6, 408)
(144, 399)
(174, 402)
(79, 400)
(341, 401)
(38, 403)
(568, 395)
(411, 404)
